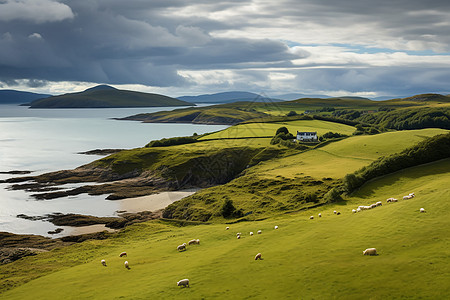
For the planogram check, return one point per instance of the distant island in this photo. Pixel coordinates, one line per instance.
(19, 97)
(104, 96)
(227, 97)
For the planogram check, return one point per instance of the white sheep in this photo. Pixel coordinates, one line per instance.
(123, 254)
(379, 203)
(370, 251)
(276, 226)
(422, 210)
(103, 262)
(192, 242)
(353, 210)
(183, 282)
(259, 232)
(238, 233)
(358, 209)
(312, 217)
(334, 212)
(258, 256)
(412, 195)
(407, 197)
(251, 232)
(238, 237)
(373, 205)
(126, 264)
(320, 215)
(181, 247)
(227, 228)
(197, 241)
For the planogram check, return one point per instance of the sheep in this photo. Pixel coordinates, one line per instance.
(358, 209)
(123, 254)
(238, 237)
(192, 242)
(312, 217)
(227, 228)
(320, 215)
(238, 233)
(422, 210)
(181, 247)
(259, 232)
(379, 203)
(370, 251)
(353, 210)
(103, 262)
(412, 195)
(334, 212)
(373, 205)
(407, 197)
(251, 232)
(276, 227)
(197, 241)
(338, 213)
(258, 256)
(183, 282)
(126, 264)
(394, 200)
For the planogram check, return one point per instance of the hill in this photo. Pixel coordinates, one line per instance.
(226, 97)
(19, 97)
(106, 97)
(308, 259)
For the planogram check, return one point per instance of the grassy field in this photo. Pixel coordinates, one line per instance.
(269, 129)
(303, 259)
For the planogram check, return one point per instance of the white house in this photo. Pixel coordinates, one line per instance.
(306, 136)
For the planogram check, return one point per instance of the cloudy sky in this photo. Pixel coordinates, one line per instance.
(175, 47)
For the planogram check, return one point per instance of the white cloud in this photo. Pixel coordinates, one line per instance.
(37, 11)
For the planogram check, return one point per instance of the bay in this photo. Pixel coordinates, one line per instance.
(44, 140)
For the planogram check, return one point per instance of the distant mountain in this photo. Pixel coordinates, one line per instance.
(295, 96)
(19, 97)
(104, 96)
(428, 98)
(226, 97)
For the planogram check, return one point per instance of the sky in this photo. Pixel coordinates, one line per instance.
(366, 48)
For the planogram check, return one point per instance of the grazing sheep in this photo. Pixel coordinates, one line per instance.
(198, 241)
(276, 226)
(251, 232)
(238, 233)
(379, 203)
(183, 282)
(259, 232)
(370, 251)
(181, 247)
(335, 212)
(126, 264)
(422, 210)
(123, 254)
(373, 205)
(408, 197)
(258, 256)
(353, 210)
(192, 242)
(358, 209)
(312, 217)
(227, 228)
(320, 215)
(412, 195)
(394, 200)
(103, 262)
(238, 237)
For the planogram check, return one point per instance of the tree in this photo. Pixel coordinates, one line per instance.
(291, 113)
(282, 130)
(227, 208)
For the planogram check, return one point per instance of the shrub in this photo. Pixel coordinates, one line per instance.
(282, 130)
(291, 113)
(172, 141)
(227, 209)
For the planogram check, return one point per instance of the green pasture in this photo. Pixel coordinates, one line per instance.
(337, 159)
(303, 259)
(269, 129)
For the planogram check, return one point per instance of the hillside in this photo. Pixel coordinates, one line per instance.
(19, 97)
(226, 97)
(311, 259)
(104, 97)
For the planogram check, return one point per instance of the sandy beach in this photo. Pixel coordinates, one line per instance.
(153, 202)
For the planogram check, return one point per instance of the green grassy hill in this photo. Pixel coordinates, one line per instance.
(105, 96)
(303, 259)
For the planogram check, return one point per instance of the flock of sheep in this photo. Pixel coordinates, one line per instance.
(368, 251)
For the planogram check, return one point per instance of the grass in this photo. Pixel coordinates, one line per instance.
(307, 259)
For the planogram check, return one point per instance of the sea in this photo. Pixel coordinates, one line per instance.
(45, 140)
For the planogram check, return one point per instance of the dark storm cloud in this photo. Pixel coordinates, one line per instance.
(157, 43)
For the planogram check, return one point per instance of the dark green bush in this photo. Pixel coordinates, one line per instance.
(172, 141)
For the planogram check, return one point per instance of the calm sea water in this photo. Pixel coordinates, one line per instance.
(44, 140)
